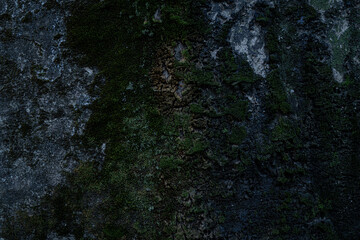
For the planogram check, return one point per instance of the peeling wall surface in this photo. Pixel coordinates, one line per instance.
(43, 102)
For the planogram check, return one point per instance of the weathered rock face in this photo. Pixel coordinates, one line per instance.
(335, 14)
(281, 47)
(43, 102)
(247, 131)
(246, 38)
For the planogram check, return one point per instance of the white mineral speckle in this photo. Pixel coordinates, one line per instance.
(338, 76)
(214, 53)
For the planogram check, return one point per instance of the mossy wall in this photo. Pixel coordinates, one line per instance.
(205, 149)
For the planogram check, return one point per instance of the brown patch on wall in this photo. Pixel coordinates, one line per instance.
(169, 86)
